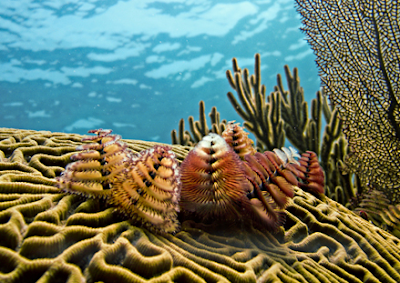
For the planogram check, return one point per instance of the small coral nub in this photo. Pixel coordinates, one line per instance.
(238, 139)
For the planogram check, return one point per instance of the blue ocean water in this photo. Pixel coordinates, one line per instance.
(138, 66)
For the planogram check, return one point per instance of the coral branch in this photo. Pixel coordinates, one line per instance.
(198, 129)
(262, 118)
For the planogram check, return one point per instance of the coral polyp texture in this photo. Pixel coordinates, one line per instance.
(51, 236)
(145, 186)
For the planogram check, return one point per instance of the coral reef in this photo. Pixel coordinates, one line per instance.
(357, 48)
(48, 236)
(374, 206)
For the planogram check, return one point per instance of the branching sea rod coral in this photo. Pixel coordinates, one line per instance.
(198, 129)
(302, 132)
(262, 117)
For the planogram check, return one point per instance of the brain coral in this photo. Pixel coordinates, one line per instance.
(48, 236)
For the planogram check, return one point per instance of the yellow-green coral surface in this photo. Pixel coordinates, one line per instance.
(48, 236)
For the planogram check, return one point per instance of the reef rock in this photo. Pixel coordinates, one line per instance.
(47, 235)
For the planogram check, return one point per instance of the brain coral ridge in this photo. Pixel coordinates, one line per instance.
(49, 236)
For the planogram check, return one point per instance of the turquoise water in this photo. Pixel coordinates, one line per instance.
(137, 67)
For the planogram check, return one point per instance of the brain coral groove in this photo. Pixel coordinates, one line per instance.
(47, 235)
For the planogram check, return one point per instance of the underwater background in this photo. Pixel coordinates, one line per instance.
(137, 67)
